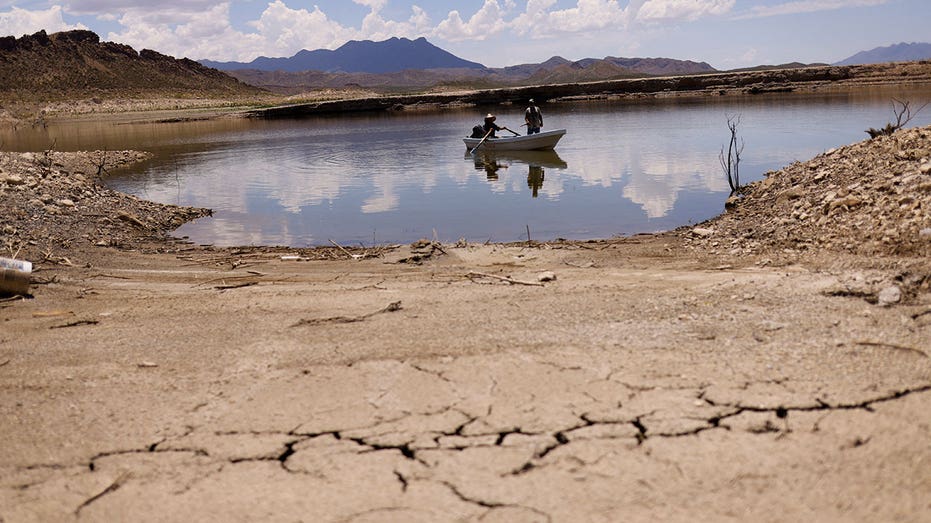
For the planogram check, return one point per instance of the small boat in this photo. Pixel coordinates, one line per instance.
(541, 141)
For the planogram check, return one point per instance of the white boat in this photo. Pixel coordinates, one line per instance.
(545, 140)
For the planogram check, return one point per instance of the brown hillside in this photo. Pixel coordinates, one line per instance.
(77, 64)
(577, 72)
(556, 70)
(662, 66)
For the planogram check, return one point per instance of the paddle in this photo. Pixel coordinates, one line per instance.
(481, 142)
(515, 133)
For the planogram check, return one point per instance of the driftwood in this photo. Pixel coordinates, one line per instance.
(232, 282)
(473, 275)
(75, 324)
(347, 253)
(235, 285)
(391, 307)
(893, 346)
(362, 256)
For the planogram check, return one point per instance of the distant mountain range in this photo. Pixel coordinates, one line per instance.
(77, 63)
(400, 64)
(894, 53)
(388, 56)
(403, 63)
(401, 54)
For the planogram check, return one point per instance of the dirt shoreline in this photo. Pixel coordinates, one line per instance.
(117, 106)
(743, 369)
(716, 85)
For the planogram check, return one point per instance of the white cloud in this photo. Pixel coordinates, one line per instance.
(18, 22)
(538, 20)
(374, 5)
(488, 21)
(676, 10)
(286, 31)
(279, 31)
(805, 6)
(588, 14)
(97, 7)
(374, 27)
(203, 34)
(208, 33)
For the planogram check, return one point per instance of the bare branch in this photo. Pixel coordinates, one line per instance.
(730, 163)
(902, 111)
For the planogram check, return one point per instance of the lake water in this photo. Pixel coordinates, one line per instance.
(623, 168)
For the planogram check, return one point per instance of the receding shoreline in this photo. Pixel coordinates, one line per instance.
(811, 79)
(123, 108)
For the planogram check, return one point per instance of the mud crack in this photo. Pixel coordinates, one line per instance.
(112, 487)
(783, 411)
(491, 505)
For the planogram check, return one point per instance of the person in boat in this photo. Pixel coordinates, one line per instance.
(534, 118)
(491, 127)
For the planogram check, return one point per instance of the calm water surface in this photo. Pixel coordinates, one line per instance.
(623, 168)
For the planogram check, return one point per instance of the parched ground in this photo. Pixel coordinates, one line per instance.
(770, 365)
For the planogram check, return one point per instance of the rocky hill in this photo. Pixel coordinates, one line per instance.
(77, 64)
(655, 66)
(902, 52)
(366, 56)
(399, 64)
(556, 70)
(589, 71)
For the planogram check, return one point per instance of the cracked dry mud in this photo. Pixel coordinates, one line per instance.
(713, 374)
(645, 383)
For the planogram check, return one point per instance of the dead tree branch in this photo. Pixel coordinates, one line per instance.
(101, 164)
(902, 111)
(730, 162)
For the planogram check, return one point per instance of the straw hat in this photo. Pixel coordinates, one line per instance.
(489, 116)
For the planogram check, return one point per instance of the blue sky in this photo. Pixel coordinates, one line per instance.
(725, 33)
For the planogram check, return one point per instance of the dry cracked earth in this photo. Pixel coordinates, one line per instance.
(644, 382)
(756, 368)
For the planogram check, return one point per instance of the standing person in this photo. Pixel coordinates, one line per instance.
(534, 118)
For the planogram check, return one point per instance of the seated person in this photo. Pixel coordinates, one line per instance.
(491, 126)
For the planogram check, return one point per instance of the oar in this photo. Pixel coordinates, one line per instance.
(515, 133)
(481, 142)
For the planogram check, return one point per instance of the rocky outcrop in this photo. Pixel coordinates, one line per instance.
(870, 198)
(77, 64)
(53, 200)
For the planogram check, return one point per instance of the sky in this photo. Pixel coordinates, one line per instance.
(727, 34)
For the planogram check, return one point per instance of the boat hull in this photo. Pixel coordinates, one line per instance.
(543, 141)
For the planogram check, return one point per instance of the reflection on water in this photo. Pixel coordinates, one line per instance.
(535, 176)
(623, 167)
(535, 161)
